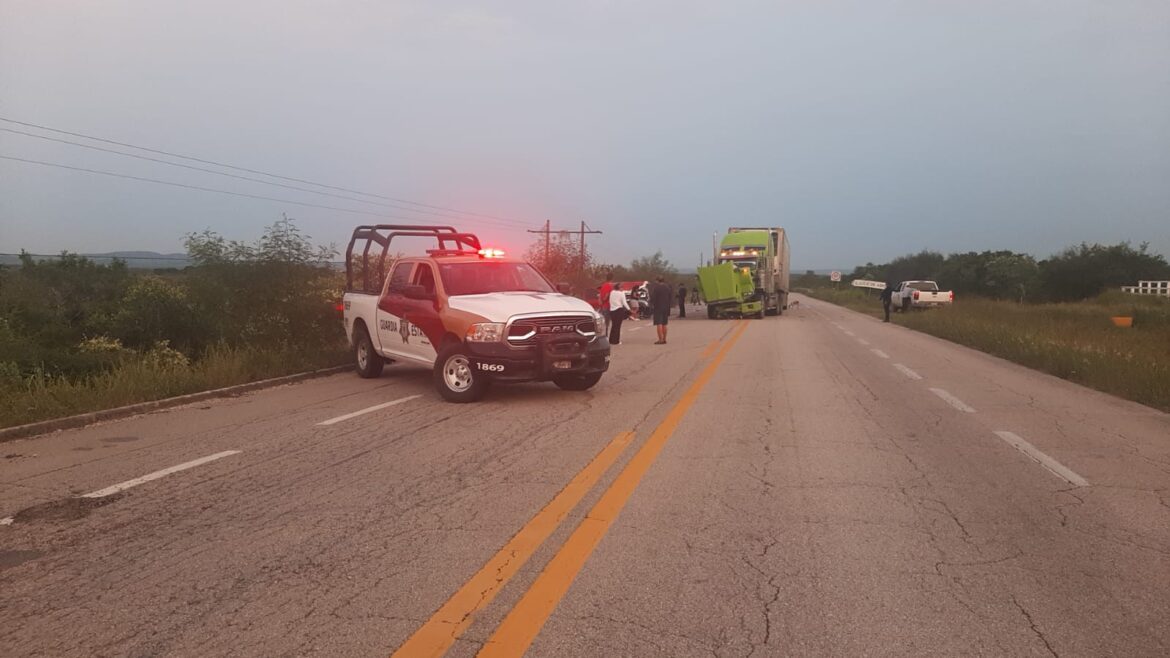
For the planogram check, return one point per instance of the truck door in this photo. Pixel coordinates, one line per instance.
(424, 328)
(391, 308)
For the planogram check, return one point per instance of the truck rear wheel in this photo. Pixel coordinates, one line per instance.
(710, 312)
(366, 360)
(455, 378)
(577, 382)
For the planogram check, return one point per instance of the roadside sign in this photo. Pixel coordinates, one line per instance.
(862, 283)
(835, 277)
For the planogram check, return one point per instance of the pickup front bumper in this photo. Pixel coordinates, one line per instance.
(562, 355)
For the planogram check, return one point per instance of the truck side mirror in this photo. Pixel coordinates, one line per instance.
(564, 288)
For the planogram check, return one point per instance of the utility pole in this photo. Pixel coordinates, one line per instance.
(547, 240)
(582, 232)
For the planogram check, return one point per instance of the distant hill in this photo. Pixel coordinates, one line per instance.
(146, 260)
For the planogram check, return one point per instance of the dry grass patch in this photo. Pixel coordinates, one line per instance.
(1075, 341)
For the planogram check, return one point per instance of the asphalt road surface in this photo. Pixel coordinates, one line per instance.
(815, 484)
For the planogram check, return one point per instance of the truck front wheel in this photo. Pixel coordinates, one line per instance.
(368, 362)
(455, 378)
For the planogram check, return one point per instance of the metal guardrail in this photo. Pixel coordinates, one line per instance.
(1157, 288)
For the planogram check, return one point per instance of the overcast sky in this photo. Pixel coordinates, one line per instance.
(868, 129)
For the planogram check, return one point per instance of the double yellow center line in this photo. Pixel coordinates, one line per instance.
(523, 623)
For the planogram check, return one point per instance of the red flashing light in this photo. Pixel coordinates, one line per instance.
(491, 253)
(952, 295)
(339, 307)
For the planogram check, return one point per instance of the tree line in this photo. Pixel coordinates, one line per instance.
(71, 316)
(1075, 273)
(561, 260)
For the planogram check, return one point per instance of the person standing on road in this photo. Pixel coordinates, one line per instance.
(603, 292)
(682, 301)
(887, 298)
(619, 310)
(660, 303)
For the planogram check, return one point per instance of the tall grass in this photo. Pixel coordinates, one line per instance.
(1076, 341)
(41, 396)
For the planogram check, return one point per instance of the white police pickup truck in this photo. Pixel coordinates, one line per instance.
(473, 315)
(920, 294)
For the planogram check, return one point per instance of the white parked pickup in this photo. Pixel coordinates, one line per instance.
(920, 294)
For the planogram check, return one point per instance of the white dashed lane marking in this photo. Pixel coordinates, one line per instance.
(1051, 465)
(880, 353)
(952, 400)
(863, 341)
(367, 410)
(906, 371)
(122, 486)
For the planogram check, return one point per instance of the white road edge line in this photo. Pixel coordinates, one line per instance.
(952, 400)
(880, 353)
(1051, 465)
(376, 407)
(848, 333)
(863, 341)
(122, 486)
(906, 371)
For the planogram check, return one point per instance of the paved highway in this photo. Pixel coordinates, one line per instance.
(815, 484)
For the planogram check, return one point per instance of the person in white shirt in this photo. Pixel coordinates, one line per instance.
(619, 310)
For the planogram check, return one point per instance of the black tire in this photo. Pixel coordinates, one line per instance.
(710, 312)
(759, 316)
(455, 379)
(577, 382)
(366, 359)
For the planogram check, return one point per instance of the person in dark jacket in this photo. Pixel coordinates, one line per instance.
(660, 303)
(682, 301)
(887, 298)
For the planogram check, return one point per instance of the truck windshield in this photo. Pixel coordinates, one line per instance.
(486, 276)
(924, 286)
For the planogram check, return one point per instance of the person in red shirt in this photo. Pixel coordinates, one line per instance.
(603, 298)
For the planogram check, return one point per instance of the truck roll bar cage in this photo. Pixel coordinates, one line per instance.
(384, 234)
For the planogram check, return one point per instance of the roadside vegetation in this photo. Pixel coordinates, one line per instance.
(76, 336)
(562, 261)
(1069, 334)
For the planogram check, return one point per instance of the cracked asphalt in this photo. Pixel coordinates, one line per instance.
(814, 500)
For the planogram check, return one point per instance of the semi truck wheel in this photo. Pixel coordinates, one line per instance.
(366, 360)
(710, 312)
(577, 382)
(454, 377)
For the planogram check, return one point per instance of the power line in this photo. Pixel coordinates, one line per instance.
(211, 189)
(257, 171)
(224, 173)
(160, 257)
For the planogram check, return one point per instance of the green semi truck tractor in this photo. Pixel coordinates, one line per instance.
(749, 275)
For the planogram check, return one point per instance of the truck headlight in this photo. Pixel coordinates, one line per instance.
(486, 332)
